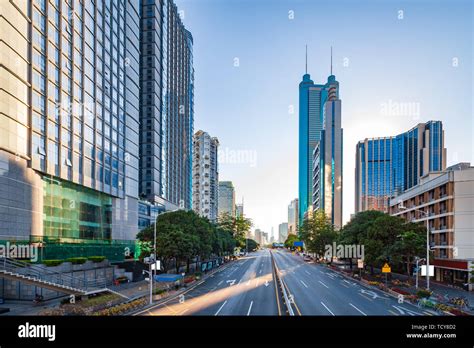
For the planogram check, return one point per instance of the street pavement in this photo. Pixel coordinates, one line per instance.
(318, 290)
(245, 287)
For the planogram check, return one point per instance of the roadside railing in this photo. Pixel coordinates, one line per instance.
(54, 277)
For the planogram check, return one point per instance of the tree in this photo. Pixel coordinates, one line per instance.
(223, 243)
(317, 232)
(409, 245)
(238, 226)
(180, 235)
(290, 240)
(252, 244)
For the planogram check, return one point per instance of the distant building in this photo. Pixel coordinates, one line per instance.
(282, 232)
(205, 175)
(261, 237)
(446, 199)
(239, 210)
(390, 165)
(293, 217)
(226, 202)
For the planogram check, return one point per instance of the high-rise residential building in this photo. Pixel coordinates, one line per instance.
(327, 160)
(282, 232)
(312, 98)
(226, 201)
(293, 217)
(69, 124)
(390, 165)
(166, 106)
(444, 200)
(205, 175)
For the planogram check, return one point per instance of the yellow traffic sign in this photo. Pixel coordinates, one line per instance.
(386, 268)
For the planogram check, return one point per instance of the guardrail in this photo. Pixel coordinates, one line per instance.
(281, 284)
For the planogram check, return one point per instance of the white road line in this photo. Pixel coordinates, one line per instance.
(302, 282)
(260, 272)
(308, 272)
(357, 309)
(323, 284)
(221, 307)
(250, 308)
(239, 281)
(327, 308)
(256, 282)
(219, 283)
(248, 282)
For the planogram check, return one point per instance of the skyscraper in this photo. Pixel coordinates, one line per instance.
(312, 98)
(390, 165)
(205, 175)
(166, 106)
(293, 217)
(226, 198)
(68, 123)
(239, 209)
(282, 232)
(327, 160)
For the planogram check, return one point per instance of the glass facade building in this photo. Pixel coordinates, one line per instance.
(226, 200)
(391, 165)
(312, 98)
(327, 161)
(69, 120)
(166, 106)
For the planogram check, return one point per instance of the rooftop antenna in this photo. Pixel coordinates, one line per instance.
(331, 60)
(306, 65)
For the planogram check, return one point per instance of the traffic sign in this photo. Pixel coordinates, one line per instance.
(386, 268)
(423, 271)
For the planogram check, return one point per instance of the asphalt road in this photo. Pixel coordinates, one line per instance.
(244, 287)
(318, 290)
(247, 287)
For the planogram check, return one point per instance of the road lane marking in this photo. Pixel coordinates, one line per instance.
(393, 312)
(248, 282)
(302, 282)
(239, 281)
(308, 272)
(250, 308)
(358, 309)
(219, 283)
(221, 308)
(327, 308)
(323, 284)
(364, 296)
(181, 313)
(256, 282)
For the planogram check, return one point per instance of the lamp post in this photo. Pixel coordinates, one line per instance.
(426, 214)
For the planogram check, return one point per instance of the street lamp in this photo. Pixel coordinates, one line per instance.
(426, 214)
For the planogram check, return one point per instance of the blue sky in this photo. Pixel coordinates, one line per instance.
(249, 60)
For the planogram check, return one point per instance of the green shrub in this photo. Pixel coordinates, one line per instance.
(96, 258)
(77, 260)
(52, 263)
(159, 291)
(423, 293)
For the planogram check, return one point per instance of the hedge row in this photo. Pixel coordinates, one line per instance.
(74, 260)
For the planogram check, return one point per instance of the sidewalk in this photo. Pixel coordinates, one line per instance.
(440, 293)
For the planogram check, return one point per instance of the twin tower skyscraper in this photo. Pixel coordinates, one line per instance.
(320, 148)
